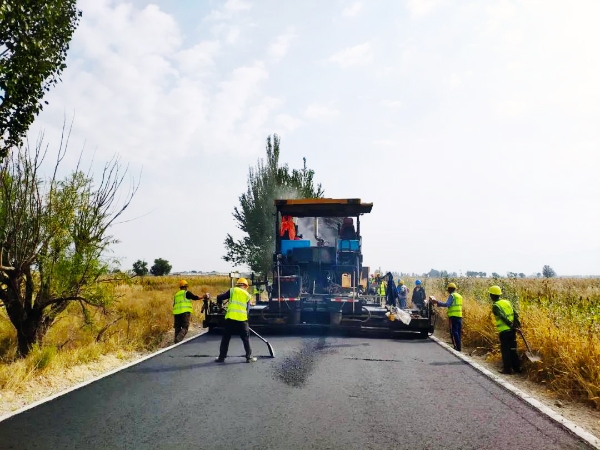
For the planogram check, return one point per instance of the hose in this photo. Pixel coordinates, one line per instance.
(368, 313)
(362, 321)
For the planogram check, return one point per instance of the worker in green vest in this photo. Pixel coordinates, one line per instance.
(455, 311)
(236, 319)
(507, 322)
(382, 288)
(182, 310)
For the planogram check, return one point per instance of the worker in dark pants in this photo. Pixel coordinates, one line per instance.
(507, 322)
(182, 310)
(454, 304)
(418, 295)
(236, 319)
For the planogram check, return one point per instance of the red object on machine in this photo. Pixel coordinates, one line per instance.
(287, 225)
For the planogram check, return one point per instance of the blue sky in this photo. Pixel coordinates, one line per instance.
(471, 126)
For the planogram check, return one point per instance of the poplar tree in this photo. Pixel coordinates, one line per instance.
(255, 216)
(34, 39)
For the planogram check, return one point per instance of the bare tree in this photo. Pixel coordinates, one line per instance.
(54, 237)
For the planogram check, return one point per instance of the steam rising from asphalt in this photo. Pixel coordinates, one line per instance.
(327, 229)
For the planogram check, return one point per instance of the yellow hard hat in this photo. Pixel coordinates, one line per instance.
(183, 283)
(242, 282)
(400, 281)
(495, 290)
(451, 285)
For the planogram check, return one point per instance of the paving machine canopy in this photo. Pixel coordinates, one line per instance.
(323, 207)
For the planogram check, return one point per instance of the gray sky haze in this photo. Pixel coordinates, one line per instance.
(473, 126)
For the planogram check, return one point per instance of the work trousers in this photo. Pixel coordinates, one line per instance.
(235, 327)
(402, 301)
(508, 346)
(456, 332)
(182, 323)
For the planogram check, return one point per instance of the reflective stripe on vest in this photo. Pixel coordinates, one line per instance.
(181, 304)
(238, 304)
(509, 312)
(382, 288)
(455, 310)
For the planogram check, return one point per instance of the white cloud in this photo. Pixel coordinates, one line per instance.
(353, 56)
(137, 91)
(385, 143)
(226, 32)
(392, 104)
(199, 58)
(511, 109)
(352, 10)
(321, 112)
(279, 47)
(193, 100)
(229, 10)
(287, 122)
(422, 7)
(452, 81)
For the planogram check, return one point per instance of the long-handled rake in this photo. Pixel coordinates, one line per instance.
(271, 351)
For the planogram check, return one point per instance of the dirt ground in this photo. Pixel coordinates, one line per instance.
(41, 387)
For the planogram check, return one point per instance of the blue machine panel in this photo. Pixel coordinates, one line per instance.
(287, 245)
(345, 245)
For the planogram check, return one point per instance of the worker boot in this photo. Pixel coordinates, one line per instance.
(251, 359)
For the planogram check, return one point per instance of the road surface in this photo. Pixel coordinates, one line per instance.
(318, 393)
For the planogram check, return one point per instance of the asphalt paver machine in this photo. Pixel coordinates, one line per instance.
(318, 280)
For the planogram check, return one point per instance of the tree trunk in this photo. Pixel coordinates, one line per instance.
(29, 324)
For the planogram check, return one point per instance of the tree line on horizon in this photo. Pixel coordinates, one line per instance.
(547, 272)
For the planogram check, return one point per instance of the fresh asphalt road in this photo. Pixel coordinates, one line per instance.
(318, 393)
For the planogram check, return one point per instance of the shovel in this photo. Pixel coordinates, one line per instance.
(532, 356)
(271, 351)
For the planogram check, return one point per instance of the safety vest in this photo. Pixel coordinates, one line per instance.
(238, 304)
(509, 312)
(181, 304)
(289, 226)
(382, 287)
(455, 310)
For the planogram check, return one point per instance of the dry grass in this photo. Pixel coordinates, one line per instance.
(136, 321)
(560, 318)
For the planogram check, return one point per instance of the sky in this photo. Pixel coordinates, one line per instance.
(471, 126)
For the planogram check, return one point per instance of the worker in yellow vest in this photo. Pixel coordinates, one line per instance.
(182, 310)
(507, 322)
(455, 311)
(236, 319)
(381, 289)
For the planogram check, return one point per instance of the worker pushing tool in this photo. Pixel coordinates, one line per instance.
(236, 319)
(507, 323)
(182, 310)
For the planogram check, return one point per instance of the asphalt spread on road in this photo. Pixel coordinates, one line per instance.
(321, 392)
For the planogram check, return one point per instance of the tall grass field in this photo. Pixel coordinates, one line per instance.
(139, 319)
(560, 318)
